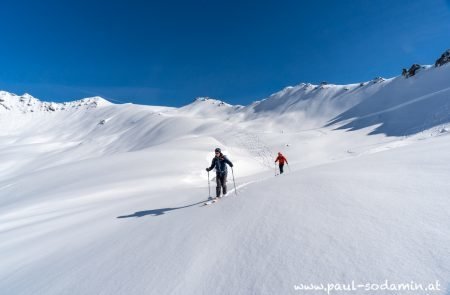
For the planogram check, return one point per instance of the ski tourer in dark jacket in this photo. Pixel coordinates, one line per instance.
(219, 162)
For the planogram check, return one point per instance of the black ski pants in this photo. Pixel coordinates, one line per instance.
(221, 181)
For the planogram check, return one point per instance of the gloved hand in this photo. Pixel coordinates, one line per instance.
(207, 169)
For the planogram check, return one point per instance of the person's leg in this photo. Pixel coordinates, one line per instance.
(281, 168)
(224, 184)
(219, 184)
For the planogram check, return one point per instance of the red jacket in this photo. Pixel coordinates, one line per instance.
(281, 159)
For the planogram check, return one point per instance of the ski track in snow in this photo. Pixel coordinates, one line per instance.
(399, 106)
(253, 144)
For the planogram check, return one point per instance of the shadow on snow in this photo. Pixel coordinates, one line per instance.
(402, 108)
(157, 212)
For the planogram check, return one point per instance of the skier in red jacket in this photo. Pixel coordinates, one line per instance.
(281, 159)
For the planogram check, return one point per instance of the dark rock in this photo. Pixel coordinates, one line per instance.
(413, 70)
(378, 79)
(405, 73)
(445, 58)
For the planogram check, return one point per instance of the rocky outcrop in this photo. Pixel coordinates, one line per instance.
(445, 58)
(412, 70)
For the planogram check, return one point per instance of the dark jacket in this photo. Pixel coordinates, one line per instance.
(220, 164)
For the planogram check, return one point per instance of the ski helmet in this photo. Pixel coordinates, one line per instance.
(217, 150)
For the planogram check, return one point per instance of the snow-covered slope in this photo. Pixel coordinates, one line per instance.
(100, 198)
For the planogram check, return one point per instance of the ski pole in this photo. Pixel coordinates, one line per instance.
(289, 167)
(234, 182)
(275, 168)
(209, 187)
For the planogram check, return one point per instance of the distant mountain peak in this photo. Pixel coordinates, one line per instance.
(26, 103)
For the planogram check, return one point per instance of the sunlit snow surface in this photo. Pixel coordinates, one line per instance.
(100, 198)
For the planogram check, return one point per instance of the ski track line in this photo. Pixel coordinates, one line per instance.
(252, 143)
(420, 98)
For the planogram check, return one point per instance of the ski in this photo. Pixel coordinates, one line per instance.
(214, 200)
(211, 202)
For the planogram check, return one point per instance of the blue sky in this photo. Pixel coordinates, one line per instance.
(169, 52)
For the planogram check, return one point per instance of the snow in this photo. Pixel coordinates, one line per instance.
(101, 198)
